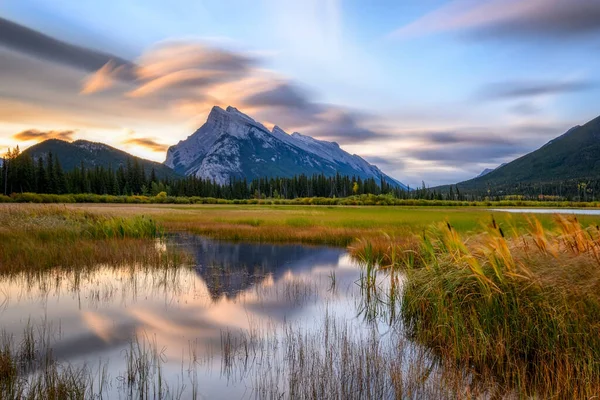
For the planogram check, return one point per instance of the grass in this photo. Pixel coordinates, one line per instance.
(521, 308)
(29, 371)
(328, 225)
(357, 200)
(514, 302)
(43, 237)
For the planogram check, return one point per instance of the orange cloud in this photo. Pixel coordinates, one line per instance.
(179, 79)
(34, 134)
(101, 79)
(147, 143)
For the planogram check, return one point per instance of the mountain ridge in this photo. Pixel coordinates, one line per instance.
(93, 154)
(230, 144)
(574, 155)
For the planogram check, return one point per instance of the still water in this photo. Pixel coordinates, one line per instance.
(574, 211)
(213, 330)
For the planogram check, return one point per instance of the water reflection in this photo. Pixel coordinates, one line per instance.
(230, 268)
(244, 291)
(570, 211)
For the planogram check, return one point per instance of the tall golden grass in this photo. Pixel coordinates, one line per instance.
(523, 309)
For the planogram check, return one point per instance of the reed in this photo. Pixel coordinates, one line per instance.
(521, 308)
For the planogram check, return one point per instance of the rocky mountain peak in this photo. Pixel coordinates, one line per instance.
(232, 144)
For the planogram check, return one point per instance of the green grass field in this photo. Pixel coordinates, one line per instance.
(332, 225)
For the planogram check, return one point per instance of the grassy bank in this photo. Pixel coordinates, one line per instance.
(44, 237)
(523, 308)
(330, 225)
(359, 200)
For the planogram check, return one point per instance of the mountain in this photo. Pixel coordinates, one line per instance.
(488, 170)
(92, 154)
(231, 144)
(575, 155)
(484, 172)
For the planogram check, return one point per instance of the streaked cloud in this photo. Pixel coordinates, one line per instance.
(476, 138)
(288, 103)
(452, 155)
(148, 143)
(344, 126)
(39, 45)
(390, 163)
(524, 89)
(555, 19)
(525, 108)
(177, 55)
(283, 95)
(35, 134)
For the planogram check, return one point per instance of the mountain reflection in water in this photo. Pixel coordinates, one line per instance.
(232, 288)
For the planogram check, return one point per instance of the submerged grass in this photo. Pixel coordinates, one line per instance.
(521, 308)
(29, 371)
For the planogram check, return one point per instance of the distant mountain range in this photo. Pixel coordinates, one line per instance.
(229, 145)
(575, 155)
(488, 170)
(92, 154)
(232, 145)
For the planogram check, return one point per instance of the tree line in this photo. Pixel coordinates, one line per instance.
(21, 173)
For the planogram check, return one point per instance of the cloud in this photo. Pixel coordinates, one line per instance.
(521, 90)
(291, 104)
(283, 95)
(552, 19)
(173, 76)
(386, 163)
(463, 149)
(525, 109)
(480, 138)
(38, 45)
(468, 154)
(34, 134)
(172, 56)
(175, 70)
(102, 79)
(343, 126)
(147, 143)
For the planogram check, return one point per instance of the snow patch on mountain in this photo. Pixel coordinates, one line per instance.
(232, 144)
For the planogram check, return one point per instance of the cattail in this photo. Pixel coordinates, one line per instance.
(501, 232)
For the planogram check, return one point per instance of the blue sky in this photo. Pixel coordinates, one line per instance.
(430, 90)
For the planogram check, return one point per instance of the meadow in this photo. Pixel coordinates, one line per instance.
(329, 225)
(508, 303)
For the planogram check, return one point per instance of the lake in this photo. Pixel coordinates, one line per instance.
(245, 321)
(575, 211)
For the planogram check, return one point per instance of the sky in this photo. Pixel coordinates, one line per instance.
(431, 91)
